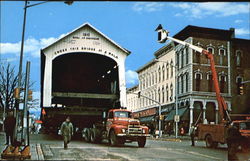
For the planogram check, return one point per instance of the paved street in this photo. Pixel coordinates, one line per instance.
(169, 150)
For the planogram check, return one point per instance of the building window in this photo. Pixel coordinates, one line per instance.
(198, 81)
(182, 59)
(187, 82)
(163, 95)
(167, 92)
(238, 58)
(177, 56)
(198, 57)
(159, 95)
(167, 71)
(163, 73)
(171, 92)
(210, 49)
(222, 84)
(187, 54)
(178, 85)
(159, 71)
(172, 68)
(210, 82)
(152, 78)
(182, 84)
(222, 52)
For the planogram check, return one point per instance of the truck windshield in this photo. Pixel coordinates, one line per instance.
(123, 114)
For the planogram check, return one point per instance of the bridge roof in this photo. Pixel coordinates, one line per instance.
(89, 25)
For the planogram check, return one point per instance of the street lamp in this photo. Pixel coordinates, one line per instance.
(21, 58)
(176, 118)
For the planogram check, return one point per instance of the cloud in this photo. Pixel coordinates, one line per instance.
(219, 9)
(238, 21)
(131, 77)
(242, 31)
(32, 46)
(147, 6)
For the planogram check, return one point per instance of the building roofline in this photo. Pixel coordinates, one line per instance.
(88, 24)
(151, 62)
(191, 30)
(166, 48)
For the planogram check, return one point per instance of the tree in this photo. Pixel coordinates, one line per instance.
(8, 82)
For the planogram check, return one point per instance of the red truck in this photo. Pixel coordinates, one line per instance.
(214, 133)
(118, 128)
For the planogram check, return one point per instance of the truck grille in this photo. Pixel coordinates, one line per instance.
(134, 129)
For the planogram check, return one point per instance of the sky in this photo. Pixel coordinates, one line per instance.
(130, 24)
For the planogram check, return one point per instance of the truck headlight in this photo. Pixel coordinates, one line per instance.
(143, 131)
(123, 130)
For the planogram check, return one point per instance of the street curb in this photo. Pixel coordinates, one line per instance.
(39, 152)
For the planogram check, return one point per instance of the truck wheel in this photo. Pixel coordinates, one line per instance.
(94, 136)
(113, 138)
(209, 141)
(87, 135)
(141, 141)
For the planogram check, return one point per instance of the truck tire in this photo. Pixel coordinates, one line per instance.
(141, 141)
(87, 135)
(95, 136)
(114, 140)
(209, 141)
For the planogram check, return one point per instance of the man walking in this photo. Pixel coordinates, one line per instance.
(66, 131)
(192, 134)
(9, 126)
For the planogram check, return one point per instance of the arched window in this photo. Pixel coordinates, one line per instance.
(186, 82)
(167, 71)
(238, 58)
(182, 84)
(222, 84)
(163, 73)
(167, 93)
(182, 59)
(198, 77)
(172, 68)
(159, 72)
(222, 52)
(210, 49)
(187, 55)
(171, 92)
(163, 95)
(210, 82)
(159, 95)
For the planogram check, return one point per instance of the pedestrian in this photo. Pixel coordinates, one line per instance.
(66, 131)
(192, 134)
(233, 140)
(9, 126)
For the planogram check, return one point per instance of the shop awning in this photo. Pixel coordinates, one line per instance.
(171, 115)
(147, 119)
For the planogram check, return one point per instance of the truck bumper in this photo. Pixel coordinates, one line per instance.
(133, 135)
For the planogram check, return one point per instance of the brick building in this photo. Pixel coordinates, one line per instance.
(196, 94)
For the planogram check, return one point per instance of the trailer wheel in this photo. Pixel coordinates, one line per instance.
(94, 136)
(209, 141)
(113, 138)
(87, 135)
(141, 141)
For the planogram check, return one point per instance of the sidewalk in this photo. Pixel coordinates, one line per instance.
(170, 138)
(35, 149)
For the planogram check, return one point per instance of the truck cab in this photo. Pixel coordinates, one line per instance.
(120, 127)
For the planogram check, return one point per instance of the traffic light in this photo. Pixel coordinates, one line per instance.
(30, 95)
(241, 89)
(161, 117)
(17, 93)
(162, 34)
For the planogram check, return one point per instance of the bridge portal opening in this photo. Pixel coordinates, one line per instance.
(85, 80)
